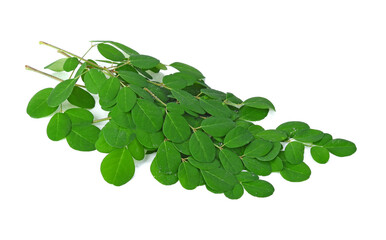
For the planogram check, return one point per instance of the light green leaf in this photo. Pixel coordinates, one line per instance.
(320, 154)
(236, 193)
(57, 66)
(189, 176)
(165, 179)
(176, 128)
(83, 137)
(168, 158)
(341, 147)
(81, 98)
(61, 92)
(117, 136)
(94, 79)
(296, 173)
(308, 135)
(237, 137)
(109, 89)
(187, 101)
(143, 61)
(133, 78)
(185, 68)
(217, 126)
(38, 107)
(219, 180)
(259, 102)
(291, 127)
(126, 99)
(230, 161)
(58, 127)
(257, 167)
(252, 114)
(102, 146)
(110, 52)
(259, 188)
(117, 167)
(258, 148)
(272, 135)
(147, 116)
(79, 116)
(294, 152)
(201, 147)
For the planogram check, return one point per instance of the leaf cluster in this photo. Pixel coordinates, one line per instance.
(201, 136)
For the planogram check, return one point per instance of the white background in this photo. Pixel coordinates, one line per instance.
(322, 62)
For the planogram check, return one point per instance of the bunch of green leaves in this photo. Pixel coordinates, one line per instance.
(201, 136)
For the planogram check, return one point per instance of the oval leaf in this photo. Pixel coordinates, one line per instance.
(110, 52)
(38, 107)
(341, 147)
(237, 137)
(58, 127)
(294, 152)
(201, 147)
(176, 128)
(81, 98)
(147, 116)
(217, 126)
(83, 137)
(219, 180)
(117, 167)
(189, 176)
(168, 158)
(61, 92)
(259, 102)
(230, 161)
(143, 61)
(296, 173)
(126, 99)
(320, 154)
(259, 188)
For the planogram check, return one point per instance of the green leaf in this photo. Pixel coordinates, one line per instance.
(149, 140)
(272, 135)
(187, 101)
(94, 79)
(126, 99)
(79, 116)
(83, 137)
(110, 52)
(273, 153)
(219, 179)
(246, 176)
(204, 165)
(201, 147)
(58, 127)
(258, 148)
(243, 123)
(276, 164)
(291, 127)
(165, 179)
(38, 107)
(133, 78)
(143, 61)
(185, 68)
(259, 188)
(237, 137)
(176, 128)
(255, 129)
(141, 93)
(124, 48)
(294, 152)
(236, 193)
(308, 135)
(325, 139)
(102, 146)
(233, 99)
(215, 108)
(70, 64)
(57, 66)
(117, 136)
(320, 154)
(80, 70)
(257, 167)
(230, 161)
(81, 98)
(175, 81)
(147, 116)
(110, 88)
(168, 158)
(122, 119)
(189, 176)
(136, 149)
(61, 92)
(183, 147)
(217, 126)
(341, 147)
(215, 94)
(117, 167)
(175, 108)
(296, 173)
(259, 102)
(252, 114)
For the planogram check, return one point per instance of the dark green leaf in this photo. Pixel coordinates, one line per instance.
(230, 161)
(294, 152)
(126, 99)
(217, 126)
(236, 193)
(168, 158)
(188, 175)
(175, 108)
(58, 127)
(110, 88)
(133, 78)
(215, 108)
(252, 114)
(94, 79)
(79, 116)
(147, 116)
(81, 98)
(219, 179)
(117, 167)
(258, 148)
(61, 92)
(272, 135)
(243, 123)
(201, 147)
(308, 135)
(136, 149)
(257, 167)
(38, 107)
(237, 137)
(273, 153)
(176, 128)
(143, 61)
(110, 52)
(320, 154)
(259, 102)
(233, 99)
(259, 188)
(174, 81)
(215, 94)
(182, 67)
(83, 137)
(187, 101)
(291, 127)
(296, 173)
(341, 147)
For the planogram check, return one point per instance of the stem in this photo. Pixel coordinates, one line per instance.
(159, 84)
(217, 146)
(154, 96)
(63, 53)
(101, 120)
(49, 75)
(82, 57)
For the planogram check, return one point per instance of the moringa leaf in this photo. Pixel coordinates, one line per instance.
(219, 180)
(230, 161)
(272, 135)
(133, 78)
(204, 165)
(81, 98)
(61, 92)
(296, 173)
(217, 126)
(165, 179)
(117, 167)
(117, 136)
(201, 147)
(126, 99)
(247, 176)
(147, 116)
(136, 149)
(187, 101)
(252, 114)
(273, 153)
(291, 127)
(109, 89)
(176, 128)
(150, 140)
(258, 167)
(236, 193)
(143, 61)
(185, 68)
(258, 148)
(56, 66)
(110, 52)
(38, 107)
(168, 158)
(94, 79)
(259, 188)
(215, 94)
(215, 108)
(259, 102)
(58, 127)
(189, 176)
(294, 152)
(308, 135)
(237, 137)
(102, 146)
(341, 147)
(320, 154)
(79, 116)
(83, 137)
(70, 64)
